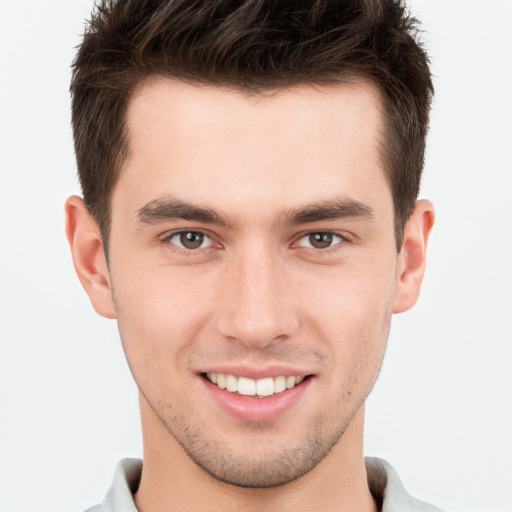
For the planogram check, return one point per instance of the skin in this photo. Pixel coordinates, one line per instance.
(255, 296)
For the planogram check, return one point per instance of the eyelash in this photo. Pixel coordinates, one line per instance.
(335, 247)
(167, 237)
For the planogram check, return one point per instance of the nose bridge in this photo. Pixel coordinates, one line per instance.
(258, 309)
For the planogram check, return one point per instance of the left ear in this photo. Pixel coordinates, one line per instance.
(412, 256)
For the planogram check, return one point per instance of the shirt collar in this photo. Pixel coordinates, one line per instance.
(384, 483)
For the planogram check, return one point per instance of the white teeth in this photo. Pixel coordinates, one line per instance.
(279, 384)
(246, 386)
(265, 387)
(221, 380)
(290, 382)
(250, 387)
(231, 383)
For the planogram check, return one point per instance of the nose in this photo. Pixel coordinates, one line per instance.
(257, 304)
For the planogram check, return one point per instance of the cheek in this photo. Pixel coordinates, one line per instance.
(355, 297)
(163, 295)
(351, 314)
(159, 314)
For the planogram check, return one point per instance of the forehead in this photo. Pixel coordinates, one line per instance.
(310, 111)
(284, 147)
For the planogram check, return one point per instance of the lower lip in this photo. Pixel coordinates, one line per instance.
(257, 409)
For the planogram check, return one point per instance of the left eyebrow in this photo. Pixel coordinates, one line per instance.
(344, 208)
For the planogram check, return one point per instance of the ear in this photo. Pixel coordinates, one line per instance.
(88, 256)
(412, 256)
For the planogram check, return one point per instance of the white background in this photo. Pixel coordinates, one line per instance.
(441, 412)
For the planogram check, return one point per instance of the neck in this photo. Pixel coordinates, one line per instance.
(172, 481)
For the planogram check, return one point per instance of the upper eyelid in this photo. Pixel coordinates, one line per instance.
(342, 234)
(342, 238)
(165, 238)
(324, 232)
(169, 234)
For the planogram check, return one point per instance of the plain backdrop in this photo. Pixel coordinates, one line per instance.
(441, 411)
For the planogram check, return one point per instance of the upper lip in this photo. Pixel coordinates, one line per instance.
(257, 372)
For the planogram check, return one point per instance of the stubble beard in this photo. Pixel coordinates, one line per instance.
(269, 465)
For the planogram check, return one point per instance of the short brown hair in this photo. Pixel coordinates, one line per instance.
(253, 46)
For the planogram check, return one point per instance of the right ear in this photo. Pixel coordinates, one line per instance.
(86, 244)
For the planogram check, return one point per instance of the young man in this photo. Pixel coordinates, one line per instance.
(250, 173)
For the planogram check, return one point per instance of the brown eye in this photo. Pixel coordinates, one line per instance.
(190, 240)
(320, 240)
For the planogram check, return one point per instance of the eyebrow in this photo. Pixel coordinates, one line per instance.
(162, 210)
(342, 208)
(169, 209)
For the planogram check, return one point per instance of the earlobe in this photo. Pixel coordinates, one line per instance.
(412, 257)
(86, 246)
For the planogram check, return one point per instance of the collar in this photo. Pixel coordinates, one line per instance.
(385, 486)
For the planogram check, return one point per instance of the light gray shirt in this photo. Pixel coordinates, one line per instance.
(384, 483)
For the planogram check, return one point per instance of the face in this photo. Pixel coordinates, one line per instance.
(252, 248)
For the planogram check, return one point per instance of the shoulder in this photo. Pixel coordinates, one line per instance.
(120, 495)
(388, 490)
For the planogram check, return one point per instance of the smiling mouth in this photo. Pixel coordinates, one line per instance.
(259, 388)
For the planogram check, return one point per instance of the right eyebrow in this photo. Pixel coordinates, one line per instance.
(162, 210)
